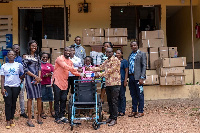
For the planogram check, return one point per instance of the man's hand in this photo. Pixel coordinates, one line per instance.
(80, 70)
(83, 75)
(87, 68)
(3, 91)
(125, 83)
(96, 75)
(141, 81)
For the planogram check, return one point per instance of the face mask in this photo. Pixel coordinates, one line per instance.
(43, 62)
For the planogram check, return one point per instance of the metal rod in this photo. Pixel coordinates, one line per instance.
(192, 26)
(65, 32)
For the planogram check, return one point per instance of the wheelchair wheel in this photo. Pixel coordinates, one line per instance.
(95, 125)
(70, 108)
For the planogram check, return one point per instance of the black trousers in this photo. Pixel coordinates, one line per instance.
(10, 101)
(71, 83)
(60, 98)
(112, 97)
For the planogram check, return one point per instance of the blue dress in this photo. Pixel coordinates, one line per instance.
(32, 64)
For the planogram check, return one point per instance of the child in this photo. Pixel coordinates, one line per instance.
(124, 75)
(88, 62)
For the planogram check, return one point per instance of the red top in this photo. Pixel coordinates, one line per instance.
(46, 68)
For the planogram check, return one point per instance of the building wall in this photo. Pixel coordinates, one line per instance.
(98, 17)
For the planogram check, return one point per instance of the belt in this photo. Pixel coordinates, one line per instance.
(132, 74)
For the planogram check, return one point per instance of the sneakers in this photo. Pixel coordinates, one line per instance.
(24, 115)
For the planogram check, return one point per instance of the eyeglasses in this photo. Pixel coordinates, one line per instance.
(45, 57)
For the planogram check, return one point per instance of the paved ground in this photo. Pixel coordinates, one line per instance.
(163, 116)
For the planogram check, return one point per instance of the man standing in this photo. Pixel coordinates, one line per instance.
(137, 73)
(79, 50)
(113, 83)
(18, 59)
(60, 84)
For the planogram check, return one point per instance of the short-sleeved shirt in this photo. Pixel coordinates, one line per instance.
(124, 65)
(12, 71)
(80, 52)
(46, 68)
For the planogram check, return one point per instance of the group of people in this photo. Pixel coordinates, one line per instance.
(44, 82)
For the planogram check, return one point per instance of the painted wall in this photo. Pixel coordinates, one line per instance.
(6, 8)
(98, 17)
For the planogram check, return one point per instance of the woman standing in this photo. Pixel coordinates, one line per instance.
(10, 86)
(47, 92)
(124, 76)
(32, 69)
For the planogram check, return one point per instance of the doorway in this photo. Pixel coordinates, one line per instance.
(30, 28)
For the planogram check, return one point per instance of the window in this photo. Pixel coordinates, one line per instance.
(53, 22)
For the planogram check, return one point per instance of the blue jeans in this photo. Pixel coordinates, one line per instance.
(122, 99)
(136, 94)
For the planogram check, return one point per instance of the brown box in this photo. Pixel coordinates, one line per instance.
(172, 80)
(151, 34)
(163, 52)
(153, 55)
(93, 32)
(117, 40)
(55, 53)
(151, 80)
(46, 50)
(151, 43)
(173, 52)
(51, 43)
(171, 62)
(171, 71)
(115, 32)
(93, 40)
(145, 50)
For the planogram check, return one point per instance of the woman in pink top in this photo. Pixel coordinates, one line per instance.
(47, 93)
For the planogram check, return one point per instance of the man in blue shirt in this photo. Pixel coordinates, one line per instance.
(137, 73)
(18, 59)
(79, 50)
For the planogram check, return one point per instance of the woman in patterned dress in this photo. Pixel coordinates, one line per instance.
(32, 68)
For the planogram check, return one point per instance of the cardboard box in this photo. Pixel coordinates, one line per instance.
(145, 50)
(93, 32)
(115, 32)
(153, 55)
(46, 50)
(51, 43)
(151, 34)
(173, 52)
(172, 80)
(163, 52)
(151, 80)
(93, 41)
(151, 43)
(55, 53)
(171, 71)
(117, 40)
(171, 62)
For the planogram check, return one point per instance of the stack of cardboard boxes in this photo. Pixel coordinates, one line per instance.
(54, 47)
(117, 36)
(169, 67)
(93, 36)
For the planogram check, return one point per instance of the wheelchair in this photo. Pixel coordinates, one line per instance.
(85, 97)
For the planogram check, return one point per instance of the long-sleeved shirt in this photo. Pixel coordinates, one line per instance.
(112, 71)
(61, 72)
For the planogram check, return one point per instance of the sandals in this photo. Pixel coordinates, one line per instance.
(121, 114)
(59, 121)
(30, 125)
(65, 120)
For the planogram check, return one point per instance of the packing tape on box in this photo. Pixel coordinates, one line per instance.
(169, 62)
(148, 43)
(183, 61)
(153, 52)
(163, 50)
(181, 80)
(114, 31)
(152, 78)
(145, 35)
(100, 31)
(165, 80)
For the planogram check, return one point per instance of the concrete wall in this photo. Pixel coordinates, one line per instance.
(98, 17)
(179, 32)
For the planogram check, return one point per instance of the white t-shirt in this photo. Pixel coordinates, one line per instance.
(11, 71)
(76, 62)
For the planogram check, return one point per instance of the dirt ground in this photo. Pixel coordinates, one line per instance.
(162, 116)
